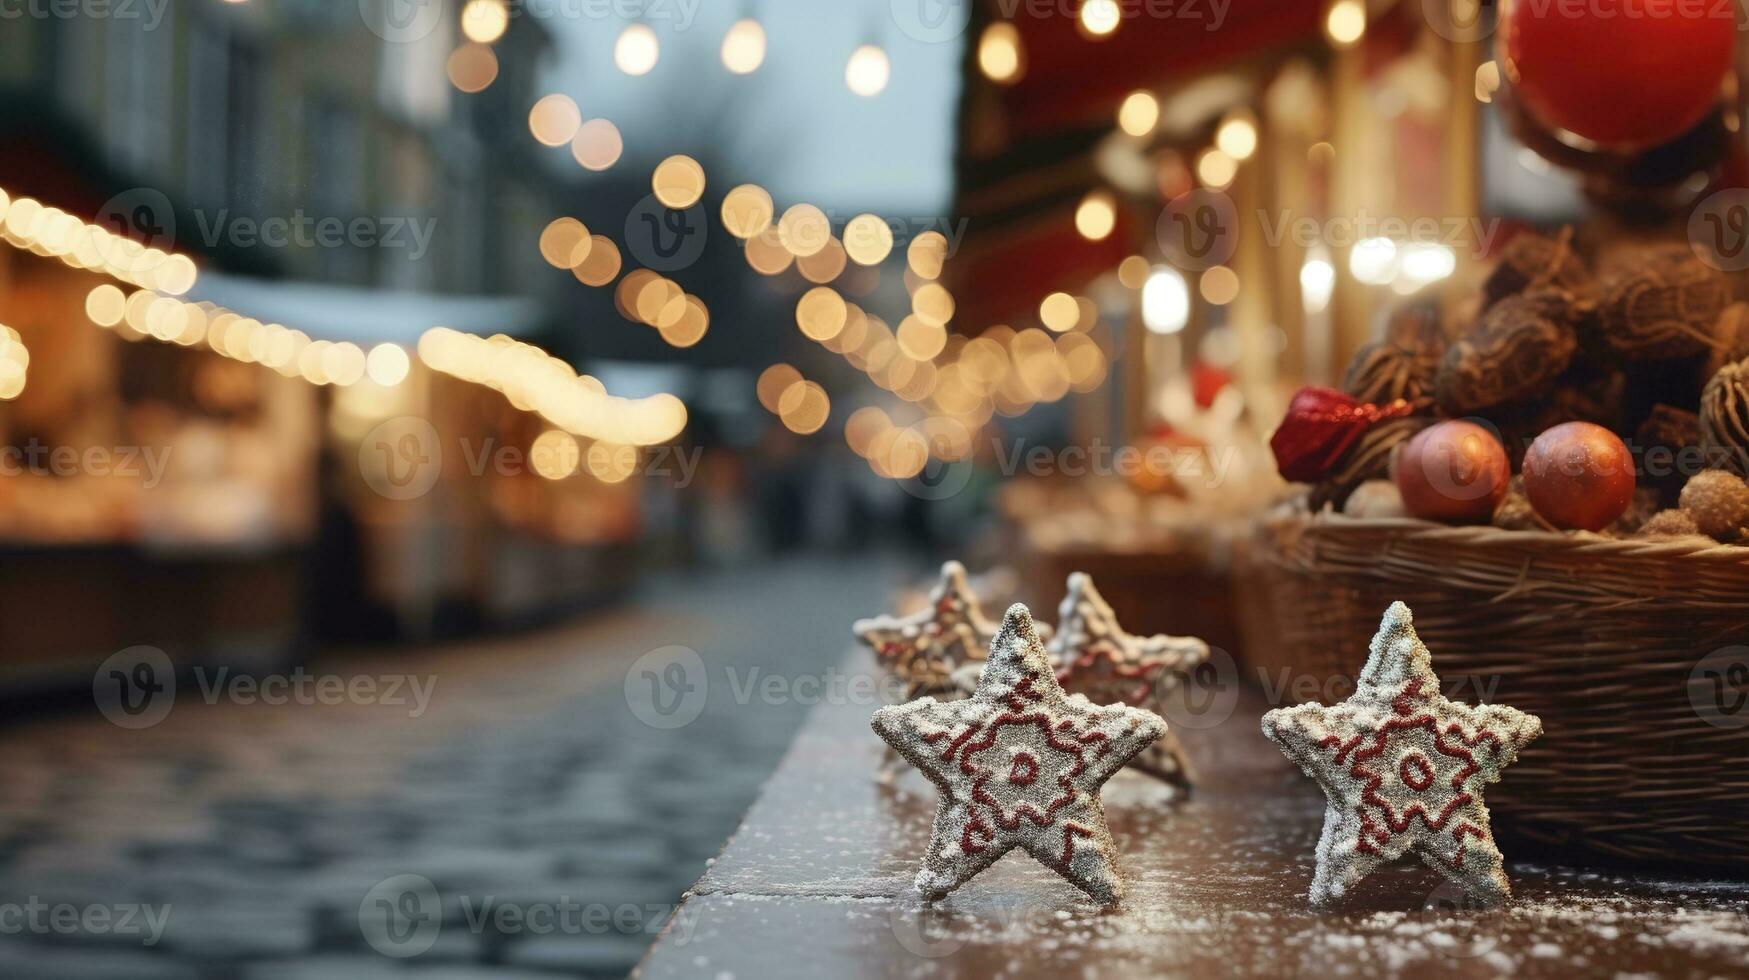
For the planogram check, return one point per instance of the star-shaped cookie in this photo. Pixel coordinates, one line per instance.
(1019, 764)
(1403, 769)
(1095, 657)
(924, 648)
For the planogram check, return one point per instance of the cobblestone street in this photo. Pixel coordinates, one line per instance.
(556, 830)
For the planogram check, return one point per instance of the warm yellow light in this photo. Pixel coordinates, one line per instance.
(484, 21)
(825, 265)
(1346, 22)
(1100, 17)
(747, 211)
(927, 254)
(694, 321)
(821, 313)
(868, 239)
(565, 243)
(804, 230)
(1096, 216)
(744, 47)
(1215, 169)
(773, 382)
(106, 305)
(1237, 137)
(472, 67)
(1139, 113)
(920, 339)
(554, 455)
(387, 364)
(1059, 312)
(999, 53)
(1133, 272)
(678, 182)
(611, 463)
(766, 253)
(636, 50)
(597, 145)
(803, 407)
(1219, 285)
(932, 303)
(554, 120)
(868, 71)
(600, 265)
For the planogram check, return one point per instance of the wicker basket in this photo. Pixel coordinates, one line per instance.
(1616, 644)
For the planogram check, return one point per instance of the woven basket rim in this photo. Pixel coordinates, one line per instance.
(1582, 543)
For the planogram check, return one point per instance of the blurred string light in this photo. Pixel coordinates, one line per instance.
(804, 230)
(1237, 137)
(1059, 312)
(597, 145)
(1219, 285)
(1096, 216)
(565, 243)
(678, 182)
(472, 67)
(533, 380)
(744, 47)
(1165, 301)
(868, 71)
(656, 301)
(554, 120)
(1100, 17)
(1317, 283)
(484, 21)
(1345, 23)
(1133, 271)
(387, 364)
(554, 454)
(1215, 169)
(636, 50)
(1373, 261)
(1139, 113)
(14, 363)
(868, 239)
(1000, 55)
(926, 254)
(747, 211)
(53, 233)
(825, 265)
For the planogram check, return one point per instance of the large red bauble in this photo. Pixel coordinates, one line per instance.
(1453, 471)
(1624, 74)
(1579, 476)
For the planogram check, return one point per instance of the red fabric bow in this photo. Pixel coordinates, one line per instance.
(1320, 426)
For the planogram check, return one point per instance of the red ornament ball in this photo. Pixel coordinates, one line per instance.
(1624, 74)
(1579, 476)
(1453, 471)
